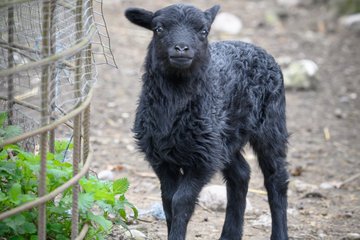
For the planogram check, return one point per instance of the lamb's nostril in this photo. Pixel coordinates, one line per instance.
(181, 48)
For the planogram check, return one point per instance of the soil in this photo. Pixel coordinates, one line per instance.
(324, 122)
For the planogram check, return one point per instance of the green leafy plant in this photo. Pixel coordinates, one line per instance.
(101, 203)
(8, 131)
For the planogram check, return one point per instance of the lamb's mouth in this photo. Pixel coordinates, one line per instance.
(181, 61)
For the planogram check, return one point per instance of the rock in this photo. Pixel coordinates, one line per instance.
(288, 3)
(272, 18)
(214, 197)
(295, 3)
(353, 96)
(284, 61)
(313, 195)
(326, 185)
(351, 22)
(351, 236)
(330, 185)
(130, 148)
(300, 75)
(106, 175)
(135, 234)
(156, 210)
(227, 23)
(339, 113)
(297, 171)
(292, 211)
(263, 221)
(301, 187)
(125, 115)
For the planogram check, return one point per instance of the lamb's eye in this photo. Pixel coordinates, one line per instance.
(204, 32)
(159, 30)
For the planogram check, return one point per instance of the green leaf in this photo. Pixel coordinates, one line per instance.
(134, 209)
(104, 195)
(3, 154)
(58, 173)
(17, 238)
(61, 237)
(105, 224)
(55, 227)
(8, 167)
(58, 210)
(14, 193)
(12, 131)
(86, 200)
(15, 222)
(12, 147)
(3, 197)
(23, 198)
(61, 146)
(34, 237)
(105, 207)
(3, 117)
(4, 229)
(120, 186)
(29, 227)
(89, 185)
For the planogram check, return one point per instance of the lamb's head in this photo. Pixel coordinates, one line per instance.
(180, 33)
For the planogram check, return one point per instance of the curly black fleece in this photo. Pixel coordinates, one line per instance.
(193, 122)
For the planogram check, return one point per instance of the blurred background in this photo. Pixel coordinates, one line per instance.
(317, 44)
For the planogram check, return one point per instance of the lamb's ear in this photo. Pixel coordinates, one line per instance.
(140, 17)
(211, 13)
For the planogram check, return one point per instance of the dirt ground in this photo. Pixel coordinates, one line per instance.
(325, 141)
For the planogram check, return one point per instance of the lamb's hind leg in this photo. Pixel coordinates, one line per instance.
(271, 155)
(236, 175)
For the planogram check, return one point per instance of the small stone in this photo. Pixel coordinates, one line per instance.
(301, 187)
(106, 175)
(339, 113)
(135, 234)
(314, 195)
(288, 3)
(292, 211)
(111, 104)
(227, 23)
(301, 75)
(157, 211)
(353, 96)
(351, 236)
(326, 186)
(214, 197)
(130, 147)
(263, 221)
(272, 18)
(284, 61)
(322, 235)
(297, 171)
(295, 3)
(125, 115)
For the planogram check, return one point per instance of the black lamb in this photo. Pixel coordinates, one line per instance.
(200, 104)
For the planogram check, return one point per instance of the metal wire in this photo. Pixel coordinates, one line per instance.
(47, 73)
(21, 24)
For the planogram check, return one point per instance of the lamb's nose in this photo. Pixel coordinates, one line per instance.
(181, 48)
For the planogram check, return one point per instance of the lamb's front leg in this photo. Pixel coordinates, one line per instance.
(169, 176)
(183, 202)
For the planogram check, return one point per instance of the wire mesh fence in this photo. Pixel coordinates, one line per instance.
(47, 72)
